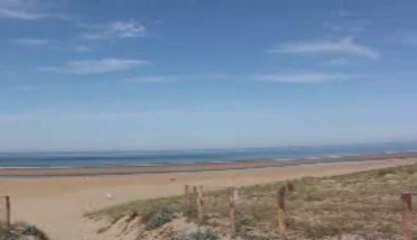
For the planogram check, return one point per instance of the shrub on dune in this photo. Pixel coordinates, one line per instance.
(22, 231)
(158, 217)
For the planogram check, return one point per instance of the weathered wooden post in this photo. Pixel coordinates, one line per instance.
(186, 200)
(194, 195)
(406, 199)
(8, 212)
(200, 205)
(281, 213)
(233, 198)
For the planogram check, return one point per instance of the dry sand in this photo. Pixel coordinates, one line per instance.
(57, 204)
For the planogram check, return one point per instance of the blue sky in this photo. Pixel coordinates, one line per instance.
(95, 75)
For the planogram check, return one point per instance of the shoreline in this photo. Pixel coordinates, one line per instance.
(22, 172)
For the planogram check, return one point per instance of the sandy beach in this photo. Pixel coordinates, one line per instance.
(57, 204)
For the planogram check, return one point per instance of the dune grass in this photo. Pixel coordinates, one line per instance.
(364, 204)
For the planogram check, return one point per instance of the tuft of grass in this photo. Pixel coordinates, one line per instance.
(383, 172)
(200, 235)
(140, 208)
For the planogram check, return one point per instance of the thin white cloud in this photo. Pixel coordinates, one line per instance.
(333, 27)
(20, 9)
(30, 41)
(342, 13)
(340, 61)
(7, 118)
(121, 115)
(10, 118)
(9, 13)
(410, 41)
(27, 10)
(173, 78)
(82, 49)
(118, 29)
(218, 76)
(96, 66)
(408, 38)
(345, 46)
(306, 77)
(348, 27)
(153, 79)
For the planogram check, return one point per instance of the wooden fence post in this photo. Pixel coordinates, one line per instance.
(406, 199)
(281, 213)
(8, 212)
(186, 200)
(232, 212)
(194, 196)
(200, 205)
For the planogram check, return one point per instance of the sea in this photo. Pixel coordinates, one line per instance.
(162, 157)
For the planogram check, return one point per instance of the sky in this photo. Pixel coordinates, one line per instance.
(179, 74)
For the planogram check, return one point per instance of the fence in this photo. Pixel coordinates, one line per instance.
(5, 213)
(197, 199)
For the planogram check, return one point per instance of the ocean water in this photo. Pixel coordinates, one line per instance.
(130, 158)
